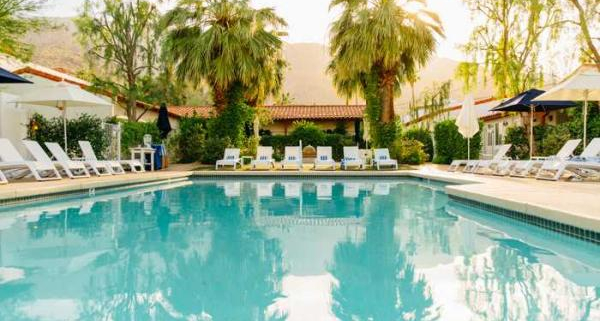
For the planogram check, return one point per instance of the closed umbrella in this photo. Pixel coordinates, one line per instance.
(63, 96)
(163, 123)
(7, 77)
(467, 122)
(524, 102)
(366, 135)
(582, 85)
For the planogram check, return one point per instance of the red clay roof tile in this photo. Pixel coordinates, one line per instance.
(287, 112)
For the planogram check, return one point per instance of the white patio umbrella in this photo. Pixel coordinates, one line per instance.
(467, 122)
(582, 85)
(63, 96)
(366, 135)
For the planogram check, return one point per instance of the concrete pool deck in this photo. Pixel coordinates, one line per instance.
(32, 189)
(573, 203)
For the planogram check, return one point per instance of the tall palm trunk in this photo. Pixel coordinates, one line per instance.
(387, 78)
(387, 98)
(219, 98)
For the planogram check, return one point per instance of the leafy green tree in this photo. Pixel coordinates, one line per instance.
(508, 41)
(122, 37)
(227, 43)
(434, 100)
(376, 46)
(588, 15)
(15, 22)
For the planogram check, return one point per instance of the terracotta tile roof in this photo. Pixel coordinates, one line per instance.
(202, 111)
(288, 112)
(61, 74)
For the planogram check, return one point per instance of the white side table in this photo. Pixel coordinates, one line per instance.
(139, 153)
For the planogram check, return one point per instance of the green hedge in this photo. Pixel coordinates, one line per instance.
(132, 134)
(451, 145)
(518, 137)
(86, 127)
(279, 142)
(408, 151)
(190, 138)
(214, 149)
(307, 132)
(422, 135)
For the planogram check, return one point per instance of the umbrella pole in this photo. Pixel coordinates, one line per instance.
(64, 114)
(468, 148)
(531, 132)
(585, 111)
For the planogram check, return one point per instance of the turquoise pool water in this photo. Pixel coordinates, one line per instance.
(289, 250)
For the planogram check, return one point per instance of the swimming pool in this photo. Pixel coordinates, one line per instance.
(318, 249)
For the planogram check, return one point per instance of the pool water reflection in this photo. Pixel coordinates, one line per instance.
(287, 250)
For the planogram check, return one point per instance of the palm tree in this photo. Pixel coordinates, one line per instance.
(377, 45)
(228, 45)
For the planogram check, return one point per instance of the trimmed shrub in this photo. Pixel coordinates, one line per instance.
(518, 137)
(86, 127)
(384, 135)
(250, 146)
(409, 151)
(307, 132)
(556, 137)
(451, 145)
(214, 149)
(190, 139)
(422, 135)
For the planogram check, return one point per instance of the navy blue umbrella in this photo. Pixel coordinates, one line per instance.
(523, 102)
(7, 77)
(164, 125)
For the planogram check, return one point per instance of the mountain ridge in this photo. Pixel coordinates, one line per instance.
(306, 78)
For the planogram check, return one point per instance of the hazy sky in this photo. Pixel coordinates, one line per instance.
(309, 20)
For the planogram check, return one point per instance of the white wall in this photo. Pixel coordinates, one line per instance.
(13, 121)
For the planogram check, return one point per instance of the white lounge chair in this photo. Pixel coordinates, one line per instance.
(490, 165)
(264, 189)
(526, 168)
(324, 157)
(382, 158)
(352, 158)
(324, 190)
(473, 165)
(230, 158)
(232, 189)
(11, 160)
(585, 165)
(292, 157)
(70, 168)
(264, 157)
(63, 159)
(456, 164)
(96, 165)
(468, 164)
(351, 190)
(381, 188)
(292, 189)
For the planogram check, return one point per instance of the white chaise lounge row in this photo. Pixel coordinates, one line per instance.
(323, 160)
(547, 168)
(42, 167)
